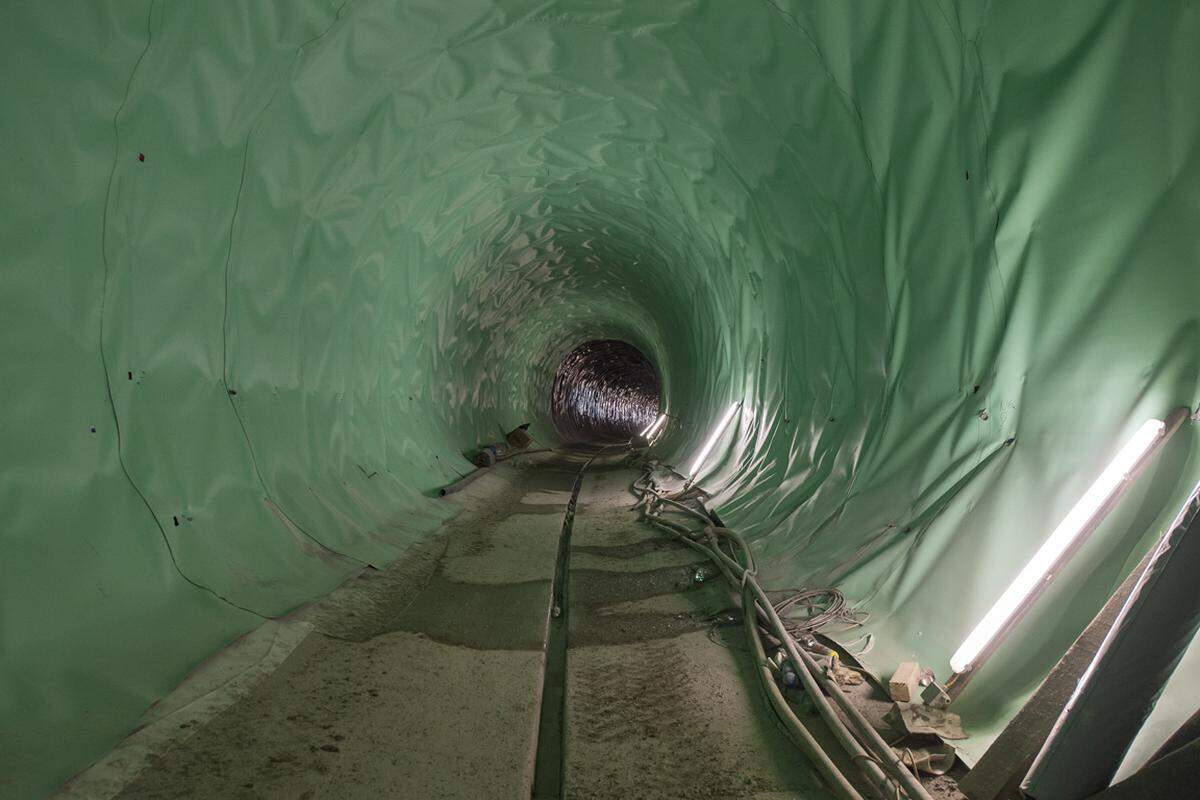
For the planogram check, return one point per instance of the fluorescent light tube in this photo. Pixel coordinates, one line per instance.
(712, 440)
(655, 426)
(1059, 542)
(648, 431)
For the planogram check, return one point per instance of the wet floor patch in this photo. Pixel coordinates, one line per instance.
(437, 692)
(589, 628)
(538, 509)
(367, 604)
(627, 551)
(594, 587)
(556, 499)
(618, 608)
(372, 603)
(479, 616)
(519, 548)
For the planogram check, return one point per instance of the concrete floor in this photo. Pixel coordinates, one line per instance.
(660, 705)
(425, 680)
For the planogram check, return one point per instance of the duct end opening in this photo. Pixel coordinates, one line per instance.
(605, 390)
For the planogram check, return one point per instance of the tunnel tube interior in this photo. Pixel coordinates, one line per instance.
(604, 391)
(275, 268)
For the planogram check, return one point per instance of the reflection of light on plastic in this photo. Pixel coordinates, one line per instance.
(712, 440)
(1058, 543)
(653, 429)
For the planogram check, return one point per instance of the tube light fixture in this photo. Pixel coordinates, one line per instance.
(1047, 556)
(646, 431)
(654, 427)
(712, 440)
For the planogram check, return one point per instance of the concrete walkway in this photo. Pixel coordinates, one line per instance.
(662, 701)
(425, 680)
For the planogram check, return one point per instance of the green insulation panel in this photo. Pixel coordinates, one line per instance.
(270, 269)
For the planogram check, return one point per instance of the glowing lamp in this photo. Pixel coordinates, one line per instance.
(655, 427)
(712, 440)
(1045, 560)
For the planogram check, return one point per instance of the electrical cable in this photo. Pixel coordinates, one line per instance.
(885, 771)
(833, 610)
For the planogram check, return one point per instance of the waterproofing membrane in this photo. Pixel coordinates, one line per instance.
(271, 268)
(604, 391)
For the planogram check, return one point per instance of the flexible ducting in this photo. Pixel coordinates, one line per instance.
(604, 391)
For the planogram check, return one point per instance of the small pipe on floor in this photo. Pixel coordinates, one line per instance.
(462, 483)
(466, 480)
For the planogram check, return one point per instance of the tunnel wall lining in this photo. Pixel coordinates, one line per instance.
(383, 224)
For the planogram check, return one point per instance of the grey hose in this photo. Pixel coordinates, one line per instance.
(811, 676)
(462, 483)
(912, 784)
(800, 734)
(797, 731)
(466, 480)
(882, 751)
(763, 608)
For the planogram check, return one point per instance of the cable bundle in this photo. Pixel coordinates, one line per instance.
(886, 773)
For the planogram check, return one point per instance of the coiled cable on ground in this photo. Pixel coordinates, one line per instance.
(822, 607)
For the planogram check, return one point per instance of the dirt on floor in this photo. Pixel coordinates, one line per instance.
(658, 704)
(422, 680)
(425, 680)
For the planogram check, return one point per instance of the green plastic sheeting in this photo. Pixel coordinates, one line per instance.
(290, 260)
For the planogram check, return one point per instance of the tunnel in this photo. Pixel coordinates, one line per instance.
(900, 278)
(604, 391)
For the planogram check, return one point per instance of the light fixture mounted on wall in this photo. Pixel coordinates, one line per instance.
(1079, 522)
(651, 431)
(713, 439)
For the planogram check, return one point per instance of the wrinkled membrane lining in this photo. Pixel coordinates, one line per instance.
(269, 271)
(604, 391)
